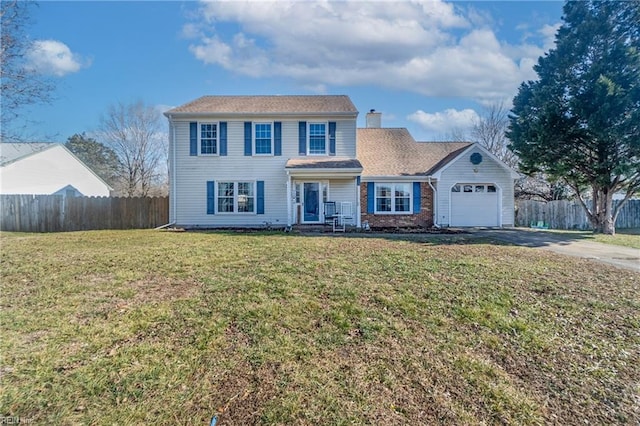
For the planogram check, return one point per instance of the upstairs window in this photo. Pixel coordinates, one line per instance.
(263, 137)
(317, 139)
(208, 137)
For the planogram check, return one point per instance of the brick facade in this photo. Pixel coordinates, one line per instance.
(422, 219)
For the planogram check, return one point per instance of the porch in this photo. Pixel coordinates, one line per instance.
(323, 191)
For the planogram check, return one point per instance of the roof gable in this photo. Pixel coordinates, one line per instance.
(277, 104)
(394, 152)
(10, 152)
(437, 171)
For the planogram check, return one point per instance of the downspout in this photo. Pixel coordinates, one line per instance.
(358, 206)
(172, 172)
(435, 203)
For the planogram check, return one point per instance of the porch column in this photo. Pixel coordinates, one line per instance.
(358, 208)
(289, 206)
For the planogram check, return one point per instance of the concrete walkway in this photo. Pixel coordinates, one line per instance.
(623, 257)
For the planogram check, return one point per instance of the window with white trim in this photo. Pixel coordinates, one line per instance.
(263, 138)
(317, 138)
(393, 197)
(208, 138)
(236, 197)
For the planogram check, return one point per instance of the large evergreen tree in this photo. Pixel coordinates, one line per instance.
(580, 121)
(101, 159)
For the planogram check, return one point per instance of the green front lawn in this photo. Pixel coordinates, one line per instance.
(624, 237)
(138, 327)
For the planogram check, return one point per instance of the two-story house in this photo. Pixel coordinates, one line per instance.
(251, 160)
(243, 161)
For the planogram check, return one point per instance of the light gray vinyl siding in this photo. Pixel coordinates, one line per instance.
(191, 173)
(342, 190)
(489, 172)
(346, 138)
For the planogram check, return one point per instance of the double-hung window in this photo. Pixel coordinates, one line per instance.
(263, 138)
(236, 197)
(208, 138)
(317, 138)
(393, 197)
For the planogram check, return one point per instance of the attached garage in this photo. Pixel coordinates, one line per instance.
(474, 188)
(475, 204)
(463, 183)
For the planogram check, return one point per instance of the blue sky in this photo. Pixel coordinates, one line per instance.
(430, 66)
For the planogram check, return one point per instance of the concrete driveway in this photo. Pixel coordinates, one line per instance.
(623, 257)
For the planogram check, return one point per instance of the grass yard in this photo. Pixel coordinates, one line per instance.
(138, 327)
(624, 237)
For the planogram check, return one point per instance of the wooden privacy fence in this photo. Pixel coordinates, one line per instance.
(53, 213)
(564, 214)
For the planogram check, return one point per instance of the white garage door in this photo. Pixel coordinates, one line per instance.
(474, 204)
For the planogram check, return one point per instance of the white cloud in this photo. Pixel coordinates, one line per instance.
(446, 122)
(549, 34)
(53, 57)
(428, 47)
(163, 107)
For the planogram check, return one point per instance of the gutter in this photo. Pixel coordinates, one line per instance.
(386, 178)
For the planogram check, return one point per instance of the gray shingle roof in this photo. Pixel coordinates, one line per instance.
(323, 163)
(276, 104)
(10, 152)
(394, 152)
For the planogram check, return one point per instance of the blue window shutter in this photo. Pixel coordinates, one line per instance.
(302, 138)
(371, 197)
(211, 197)
(277, 138)
(260, 198)
(332, 138)
(358, 180)
(416, 197)
(247, 138)
(223, 138)
(193, 138)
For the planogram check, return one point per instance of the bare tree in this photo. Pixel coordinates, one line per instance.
(20, 84)
(133, 131)
(489, 130)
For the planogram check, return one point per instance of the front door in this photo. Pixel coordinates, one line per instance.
(311, 202)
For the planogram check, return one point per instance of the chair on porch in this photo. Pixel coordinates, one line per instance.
(346, 212)
(331, 216)
(330, 212)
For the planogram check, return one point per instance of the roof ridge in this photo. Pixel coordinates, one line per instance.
(267, 96)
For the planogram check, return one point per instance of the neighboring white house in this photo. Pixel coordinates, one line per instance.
(255, 160)
(46, 168)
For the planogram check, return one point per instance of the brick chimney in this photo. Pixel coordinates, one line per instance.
(374, 119)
